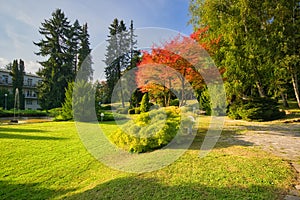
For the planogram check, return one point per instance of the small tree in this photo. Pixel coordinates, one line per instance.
(145, 106)
(67, 109)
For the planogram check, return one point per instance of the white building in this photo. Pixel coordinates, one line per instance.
(29, 88)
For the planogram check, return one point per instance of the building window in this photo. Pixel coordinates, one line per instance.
(28, 102)
(5, 79)
(29, 93)
(29, 82)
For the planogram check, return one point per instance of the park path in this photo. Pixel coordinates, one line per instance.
(282, 138)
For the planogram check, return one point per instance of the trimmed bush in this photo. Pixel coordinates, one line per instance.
(256, 109)
(149, 131)
(145, 106)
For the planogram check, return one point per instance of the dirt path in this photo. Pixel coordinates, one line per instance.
(279, 138)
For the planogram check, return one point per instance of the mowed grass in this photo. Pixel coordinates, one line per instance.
(48, 161)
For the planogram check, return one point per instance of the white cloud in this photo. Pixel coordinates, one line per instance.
(3, 62)
(31, 66)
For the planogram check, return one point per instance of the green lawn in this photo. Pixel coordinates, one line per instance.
(48, 161)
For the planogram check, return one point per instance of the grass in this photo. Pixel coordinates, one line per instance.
(48, 161)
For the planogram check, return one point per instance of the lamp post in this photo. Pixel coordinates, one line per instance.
(5, 102)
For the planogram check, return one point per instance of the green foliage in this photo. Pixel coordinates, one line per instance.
(110, 116)
(9, 99)
(257, 109)
(55, 112)
(67, 108)
(149, 131)
(134, 111)
(83, 101)
(145, 105)
(137, 110)
(63, 45)
(121, 54)
(17, 73)
(174, 102)
(204, 102)
(23, 113)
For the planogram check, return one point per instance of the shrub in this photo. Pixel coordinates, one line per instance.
(137, 110)
(131, 111)
(145, 106)
(174, 102)
(257, 109)
(204, 102)
(55, 112)
(149, 131)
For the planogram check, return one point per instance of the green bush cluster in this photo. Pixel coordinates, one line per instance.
(257, 109)
(134, 111)
(149, 131)
(22, 113)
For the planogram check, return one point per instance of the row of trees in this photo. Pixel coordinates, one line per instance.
(259, 45)
(66, 50)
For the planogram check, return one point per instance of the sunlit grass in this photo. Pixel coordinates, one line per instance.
(48, 161)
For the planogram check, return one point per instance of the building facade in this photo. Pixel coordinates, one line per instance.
(29, 88)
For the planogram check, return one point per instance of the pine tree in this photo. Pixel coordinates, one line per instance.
(65, 46)
(57, 70)
(121, 54)
(84, 56)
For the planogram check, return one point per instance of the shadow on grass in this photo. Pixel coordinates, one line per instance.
(20, 130)
(10, 190)
(227, 139)
(16, 133)
(150, 188)
(28, 137)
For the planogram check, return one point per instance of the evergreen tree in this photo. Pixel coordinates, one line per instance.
(17, 73)
(84, 56)
(67, 109)
(65, 46)
(57, 71)
(121, 54)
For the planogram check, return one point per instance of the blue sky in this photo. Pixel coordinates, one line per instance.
(20, 21)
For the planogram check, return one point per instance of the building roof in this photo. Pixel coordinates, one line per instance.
(26, 74)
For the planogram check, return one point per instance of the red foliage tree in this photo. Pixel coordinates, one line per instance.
(177, 63)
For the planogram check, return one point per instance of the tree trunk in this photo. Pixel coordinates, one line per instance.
(284, 100)
(296, 87)
(260, 89)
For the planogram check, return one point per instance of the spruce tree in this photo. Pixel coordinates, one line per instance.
(120, 53)
(84, 56)
(64, 47)
(57, 69)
